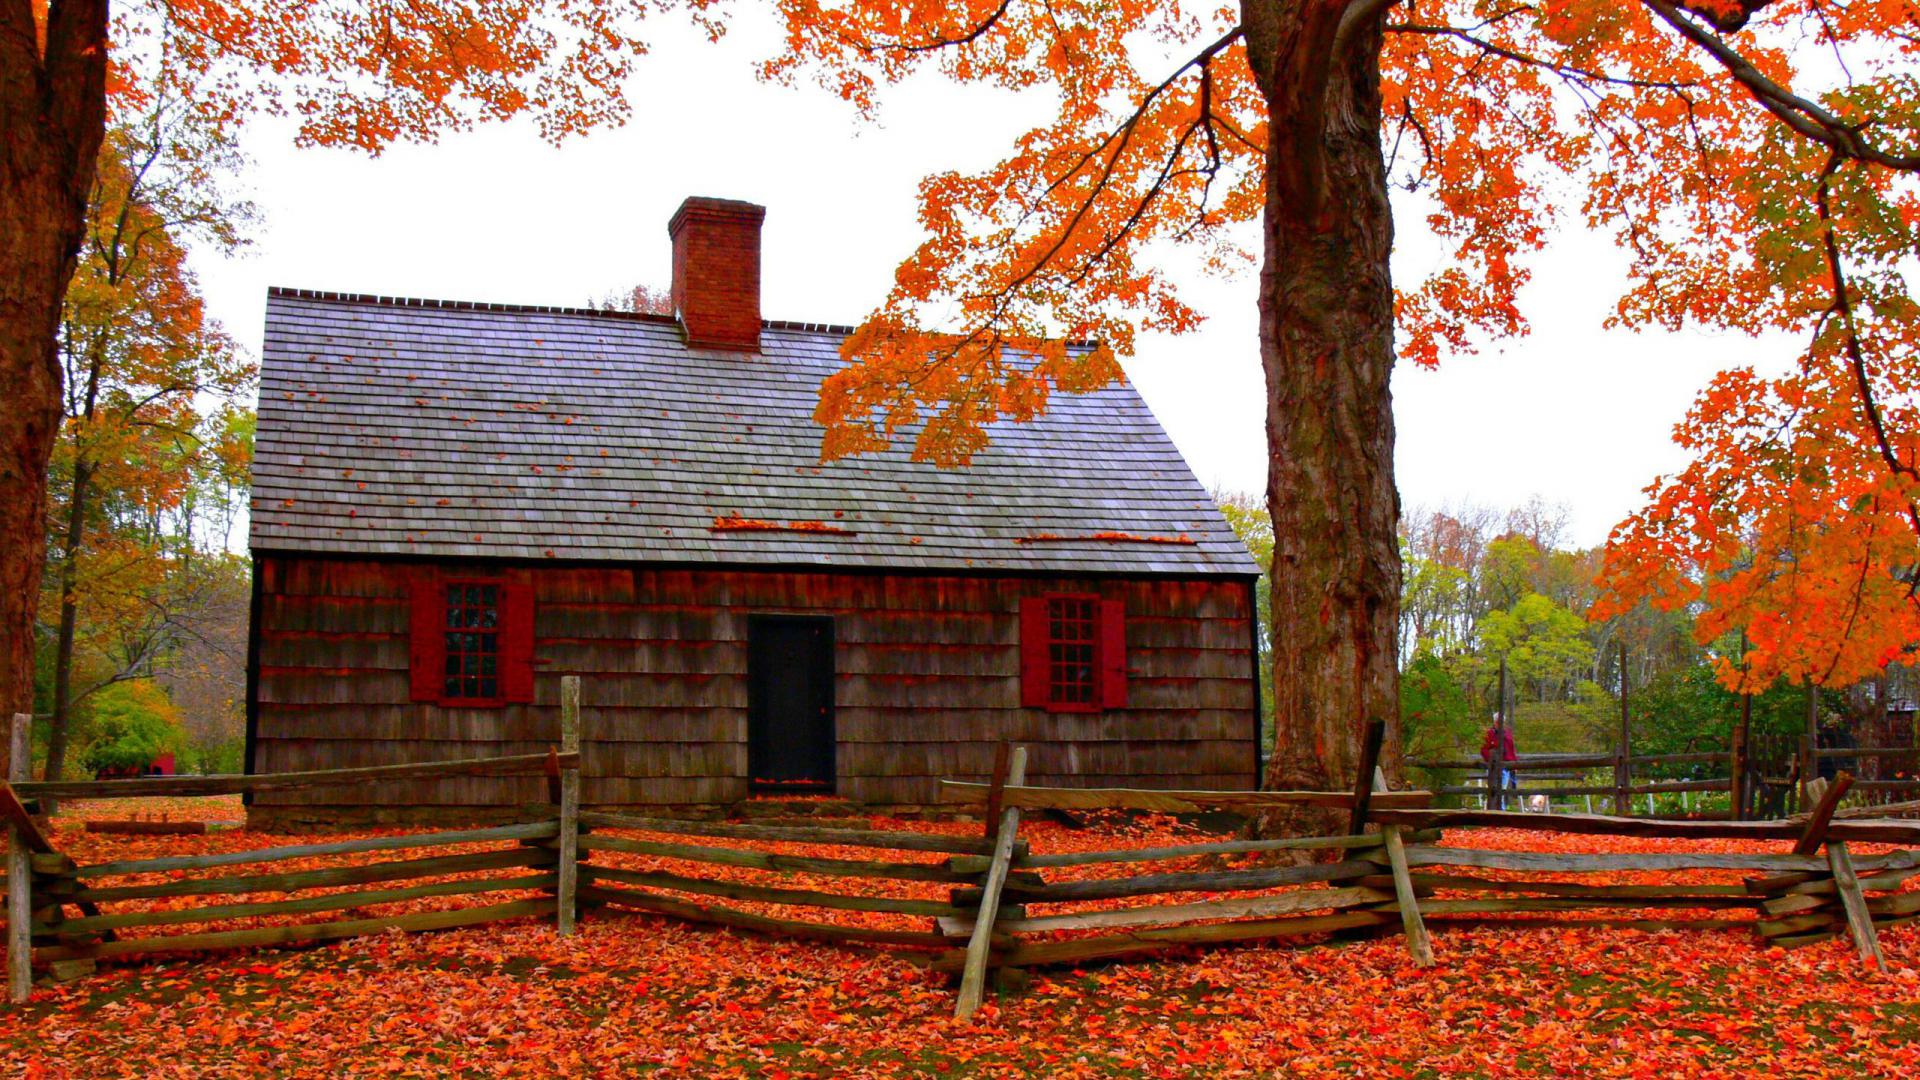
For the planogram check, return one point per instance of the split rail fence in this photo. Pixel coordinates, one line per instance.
(973, 905)
(1767, 780)
(1569, 776)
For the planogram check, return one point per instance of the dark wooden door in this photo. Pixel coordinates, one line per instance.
(790, 702)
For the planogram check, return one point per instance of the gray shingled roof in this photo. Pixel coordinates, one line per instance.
(405, 427)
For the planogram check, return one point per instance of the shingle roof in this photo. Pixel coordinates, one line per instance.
(407, 427)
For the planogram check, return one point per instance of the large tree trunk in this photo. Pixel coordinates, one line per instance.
(1326, 343)
(52, 118)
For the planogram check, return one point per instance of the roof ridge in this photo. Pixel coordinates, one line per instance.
(804, 326)
(328, 295)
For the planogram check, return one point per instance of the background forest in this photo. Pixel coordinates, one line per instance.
(142, 617)
(1483, 584)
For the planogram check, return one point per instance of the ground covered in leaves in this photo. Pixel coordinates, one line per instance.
(638, 995)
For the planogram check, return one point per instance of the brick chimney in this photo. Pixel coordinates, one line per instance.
(716, 272)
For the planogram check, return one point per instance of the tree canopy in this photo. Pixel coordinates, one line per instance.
(1755, 160)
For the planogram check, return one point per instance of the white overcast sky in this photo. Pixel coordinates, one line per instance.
(1576, 414)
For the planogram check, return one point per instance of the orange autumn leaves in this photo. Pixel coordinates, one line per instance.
(1795, 521)
(1510, 121)
(368, 76)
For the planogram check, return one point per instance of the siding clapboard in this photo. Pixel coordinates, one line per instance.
(926, 683)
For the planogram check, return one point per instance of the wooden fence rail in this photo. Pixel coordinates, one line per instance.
(193, 786)
(43, 885)
(964, 903)
(1555, 776)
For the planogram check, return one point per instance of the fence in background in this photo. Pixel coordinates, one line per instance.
(1569, 776)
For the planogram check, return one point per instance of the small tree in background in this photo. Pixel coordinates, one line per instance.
(1247, 513)
(639, 300)
(133, 723)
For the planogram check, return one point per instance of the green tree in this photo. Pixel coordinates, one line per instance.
(1436, 717)
(1543, 643)
(134, 722)
(1247, 513)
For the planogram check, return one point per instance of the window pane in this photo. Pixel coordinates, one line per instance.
(1070, 650)
(472, 640)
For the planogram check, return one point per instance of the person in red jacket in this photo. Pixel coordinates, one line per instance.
(1499, 740)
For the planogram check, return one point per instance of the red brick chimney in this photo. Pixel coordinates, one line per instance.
(716, 272)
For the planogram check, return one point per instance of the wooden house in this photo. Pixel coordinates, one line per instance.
(457, 503)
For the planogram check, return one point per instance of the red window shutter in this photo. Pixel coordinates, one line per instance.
(1033, 652)
(427, 641)
(1112, 652)
(516, 642)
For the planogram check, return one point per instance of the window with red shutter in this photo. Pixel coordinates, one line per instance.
(472, 640)
(516, 642)
(427, 642)
(1033, 652)
(1072, 653)
(1113, 654)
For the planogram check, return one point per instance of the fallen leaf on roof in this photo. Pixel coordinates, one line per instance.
(735, 523)
(1104, 537)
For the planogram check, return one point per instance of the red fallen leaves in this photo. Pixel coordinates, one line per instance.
(1108, 537)
(736, 523)
(635, 995)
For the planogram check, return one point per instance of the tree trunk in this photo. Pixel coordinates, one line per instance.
(30, 295)
(69, 617)
(1326, 343)
(52, 118)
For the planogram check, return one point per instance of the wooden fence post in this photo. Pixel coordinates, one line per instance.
(1809, 772)
(1622, 768)
(19, 871)
(1826, 799)
(1854, 902)
(568, 875)
(1738, 755)
(997, 785)
(1416, 928)
(1496, 756)
(1846, 883)
(1365, 783)
(973, 978)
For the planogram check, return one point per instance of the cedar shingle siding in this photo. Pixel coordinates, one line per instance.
(585, 457)
(927, 680)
